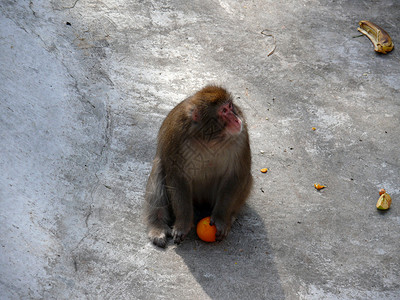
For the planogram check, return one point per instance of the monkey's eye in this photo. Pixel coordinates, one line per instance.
(224, 110)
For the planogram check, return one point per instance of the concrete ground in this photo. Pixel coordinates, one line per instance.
(84, 87)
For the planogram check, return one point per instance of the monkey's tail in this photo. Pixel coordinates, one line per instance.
(157, 207)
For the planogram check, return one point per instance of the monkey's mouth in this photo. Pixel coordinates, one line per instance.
(234, 127)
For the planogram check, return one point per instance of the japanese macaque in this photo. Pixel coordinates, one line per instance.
(202, 166)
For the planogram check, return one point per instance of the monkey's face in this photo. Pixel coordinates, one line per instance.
(229, 118)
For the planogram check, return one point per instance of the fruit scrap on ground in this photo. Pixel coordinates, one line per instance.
(319, 187)
(384, 200)
(379, 37)
(265, 170)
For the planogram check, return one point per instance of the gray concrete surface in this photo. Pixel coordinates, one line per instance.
(84, 87)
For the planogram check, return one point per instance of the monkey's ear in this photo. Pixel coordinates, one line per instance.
(195, 115)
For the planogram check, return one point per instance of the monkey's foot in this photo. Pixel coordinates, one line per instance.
(159, 237)
(179, 233)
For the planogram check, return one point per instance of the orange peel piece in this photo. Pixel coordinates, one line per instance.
(264, 170)
(318, 186)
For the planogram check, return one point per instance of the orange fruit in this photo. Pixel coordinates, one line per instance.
(205, 231)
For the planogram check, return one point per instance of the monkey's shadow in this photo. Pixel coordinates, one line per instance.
(240, 267)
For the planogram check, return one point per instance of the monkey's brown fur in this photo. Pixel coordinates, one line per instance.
(202, 163)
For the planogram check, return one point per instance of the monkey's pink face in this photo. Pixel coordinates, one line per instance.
(233, 124)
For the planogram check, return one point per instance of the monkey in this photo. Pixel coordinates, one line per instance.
(202, 166)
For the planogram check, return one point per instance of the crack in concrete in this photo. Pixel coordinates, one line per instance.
(66, 7)
(31, 8)
(75, 85)
(73, 5)
(107, 131)
(31, 32)
(15, 22)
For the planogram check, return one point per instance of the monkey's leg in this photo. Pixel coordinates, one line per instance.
(182, 206)
(157, 211)
(231, 198)
(242, 196)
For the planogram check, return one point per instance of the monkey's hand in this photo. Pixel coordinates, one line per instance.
(223, 227)
(180, 231)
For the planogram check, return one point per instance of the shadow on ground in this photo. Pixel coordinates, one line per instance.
(242, 265)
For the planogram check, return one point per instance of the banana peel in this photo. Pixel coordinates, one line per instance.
(379, 37)
(384, 202)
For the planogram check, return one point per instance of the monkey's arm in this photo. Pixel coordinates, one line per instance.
(231, 197)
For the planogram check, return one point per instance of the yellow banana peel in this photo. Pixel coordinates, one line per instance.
(379, 37)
